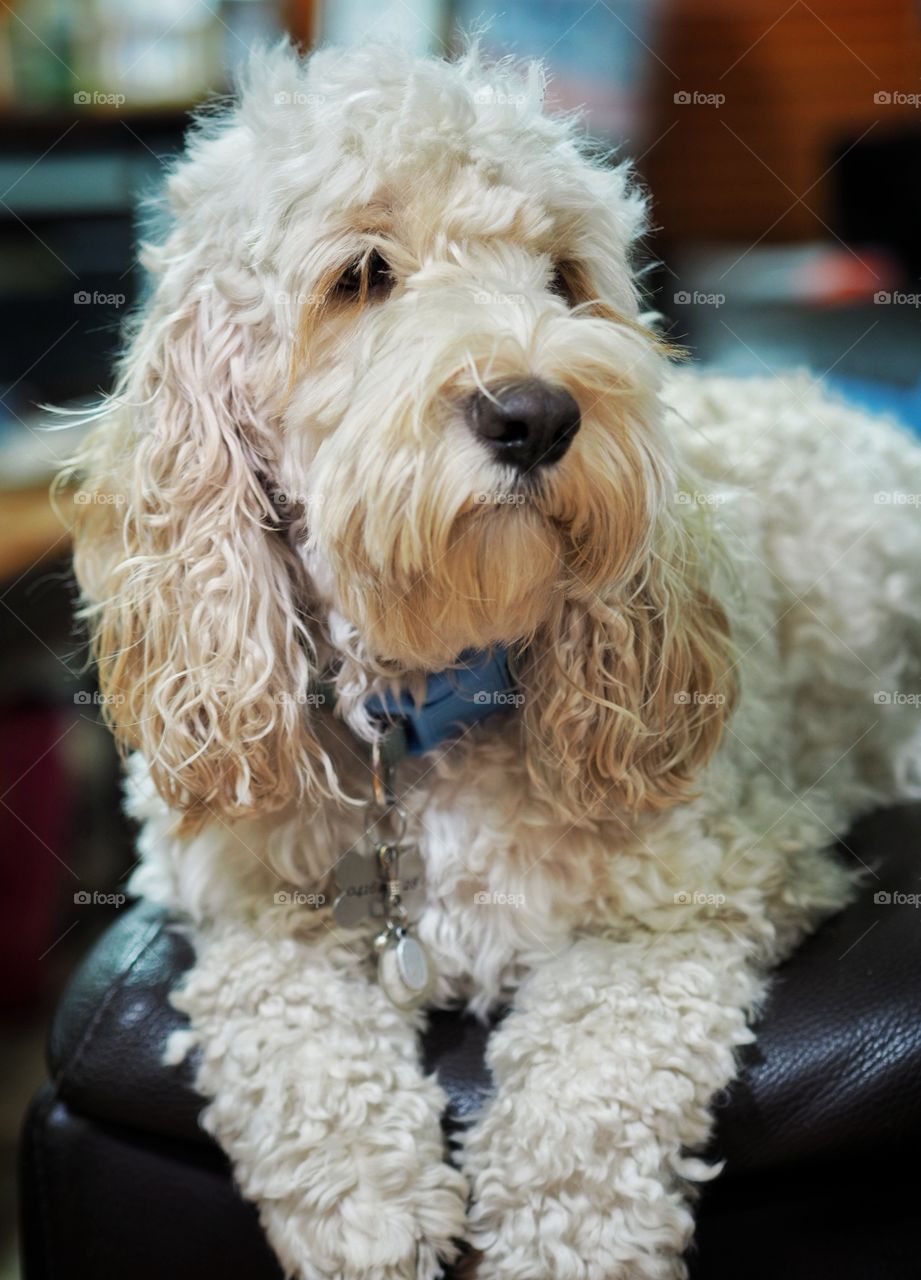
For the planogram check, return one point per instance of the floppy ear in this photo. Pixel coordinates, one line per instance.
(626, 696)
(188, 585)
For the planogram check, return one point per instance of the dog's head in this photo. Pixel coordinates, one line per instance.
(391, 397)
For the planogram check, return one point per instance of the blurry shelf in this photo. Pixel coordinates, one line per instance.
(64, 114)
(78, 163)
(94, 182)
(32, 531)
(28, 129)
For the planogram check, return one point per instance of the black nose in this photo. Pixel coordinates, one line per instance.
(527, 424)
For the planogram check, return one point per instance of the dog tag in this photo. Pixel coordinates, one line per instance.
(361, 885)
(357, 869)
(403, 968)
(411, 872)
(349, 909)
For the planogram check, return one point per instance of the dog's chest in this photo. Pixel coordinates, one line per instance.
(505, 890)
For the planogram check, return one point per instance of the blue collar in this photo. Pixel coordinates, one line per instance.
(478, 686)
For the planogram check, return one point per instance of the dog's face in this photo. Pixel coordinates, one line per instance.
(470, 438)
(392, 387)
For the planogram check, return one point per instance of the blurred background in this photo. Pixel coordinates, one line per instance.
(782, 146)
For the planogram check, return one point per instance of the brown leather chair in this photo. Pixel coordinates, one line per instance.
(820, 1133)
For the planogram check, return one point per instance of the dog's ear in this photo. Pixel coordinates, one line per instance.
(626, 694)
(200, 639)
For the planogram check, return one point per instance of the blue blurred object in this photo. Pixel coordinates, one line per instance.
(477, 687)
(601, 55)
(903, 403)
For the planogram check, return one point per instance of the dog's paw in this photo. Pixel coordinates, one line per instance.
(564, 1238)
(569, 1208)
(372, 1231)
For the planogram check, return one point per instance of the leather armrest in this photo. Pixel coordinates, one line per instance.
(836, 1068)
(111, 1027)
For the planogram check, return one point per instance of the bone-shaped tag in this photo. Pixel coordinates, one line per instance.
(411, 870)
(361, 888)
(363, 885)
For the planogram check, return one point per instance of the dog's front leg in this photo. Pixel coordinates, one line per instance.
(317, 1096)
(605, 1070)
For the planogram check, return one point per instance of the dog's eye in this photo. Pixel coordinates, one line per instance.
(562, 285)
(369, 276)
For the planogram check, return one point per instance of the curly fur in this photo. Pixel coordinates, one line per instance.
(701, 600)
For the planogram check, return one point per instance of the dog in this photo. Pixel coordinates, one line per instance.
(393, 418)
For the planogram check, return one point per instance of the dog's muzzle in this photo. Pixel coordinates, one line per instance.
(528, 423)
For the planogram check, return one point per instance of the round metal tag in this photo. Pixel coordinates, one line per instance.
(404, 970)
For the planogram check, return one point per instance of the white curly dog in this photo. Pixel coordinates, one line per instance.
(392, 414)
